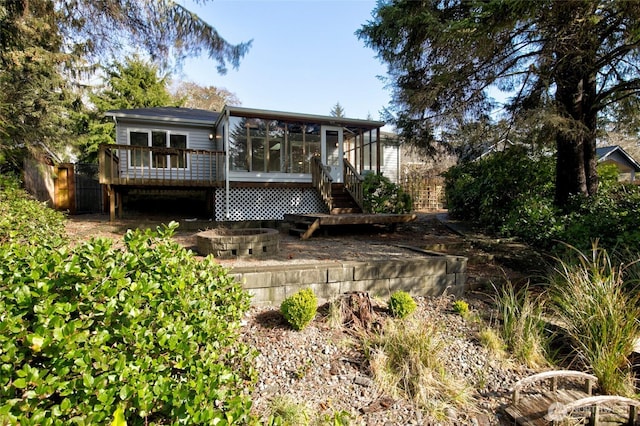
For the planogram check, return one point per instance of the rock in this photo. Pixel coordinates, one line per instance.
(362, 381)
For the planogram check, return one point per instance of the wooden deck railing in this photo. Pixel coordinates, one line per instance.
(321, 178)
(141, 165)
(353, 183)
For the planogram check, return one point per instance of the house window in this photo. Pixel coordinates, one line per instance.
(139, 157)
(179, 158)
(169, 149)
(272, 146)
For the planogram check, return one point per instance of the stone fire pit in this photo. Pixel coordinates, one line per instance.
(247, 242)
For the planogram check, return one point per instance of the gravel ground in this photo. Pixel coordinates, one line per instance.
(323, 368)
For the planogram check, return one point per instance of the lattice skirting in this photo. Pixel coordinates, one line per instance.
(267, 203)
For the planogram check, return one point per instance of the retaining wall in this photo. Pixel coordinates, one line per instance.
(429, 276)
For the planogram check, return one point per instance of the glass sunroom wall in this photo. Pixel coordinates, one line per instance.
(370, 151)
(276, 158)
(256, 131)
(350, 149)
(304, 144)
(238, 141)
(272, 146)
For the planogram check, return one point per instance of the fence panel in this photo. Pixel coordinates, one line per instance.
(89, 192)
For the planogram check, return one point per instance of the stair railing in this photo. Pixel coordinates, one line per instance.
(321, 178)
(353, 183)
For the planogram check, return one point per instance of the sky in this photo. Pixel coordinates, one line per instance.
(304, 57)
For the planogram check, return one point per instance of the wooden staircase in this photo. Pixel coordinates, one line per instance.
(302, 226)
(341, 201)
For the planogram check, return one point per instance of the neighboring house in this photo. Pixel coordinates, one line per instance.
(614, 154)
(627, 166)
(251, 164)
(500, 146)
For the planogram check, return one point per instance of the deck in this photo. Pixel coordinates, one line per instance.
(316, 221)
(126, 165)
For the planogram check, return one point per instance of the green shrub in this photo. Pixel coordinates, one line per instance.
(486, 191)
(611, 217)
(148, 329)
(511, 193)
(25, 220)
(535, 220)
(401, 304)
(383, 196)
(461, 307)
(300, 308)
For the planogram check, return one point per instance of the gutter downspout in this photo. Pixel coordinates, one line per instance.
(227, 195)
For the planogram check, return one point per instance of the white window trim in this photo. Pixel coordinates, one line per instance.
(149, 131)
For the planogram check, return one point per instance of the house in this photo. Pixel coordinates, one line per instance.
(614, 154)
(247, 164)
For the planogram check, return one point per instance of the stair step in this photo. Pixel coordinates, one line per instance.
(296, 231)
(345, 210)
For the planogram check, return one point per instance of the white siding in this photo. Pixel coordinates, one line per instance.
(198, 166)
(390, 163)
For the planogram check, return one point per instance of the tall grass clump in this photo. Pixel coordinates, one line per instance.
(522, 327)
(600, 315)
(406, 361)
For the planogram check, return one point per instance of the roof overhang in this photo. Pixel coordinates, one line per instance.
(172, 115)
(293, 116)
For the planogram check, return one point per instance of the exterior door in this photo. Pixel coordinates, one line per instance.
(332, 151)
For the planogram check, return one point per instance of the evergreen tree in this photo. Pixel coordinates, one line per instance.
(572, 58)
(133, 84)
(45, 45)
(337, 111)
(34, 98)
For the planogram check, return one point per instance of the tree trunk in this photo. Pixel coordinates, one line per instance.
(576, 136)
(357, 310)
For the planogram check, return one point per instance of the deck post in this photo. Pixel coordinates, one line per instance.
(112, 203)
(115, 203)
(119, 204)
(595, 415)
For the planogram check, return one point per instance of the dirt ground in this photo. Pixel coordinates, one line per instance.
(489, 259)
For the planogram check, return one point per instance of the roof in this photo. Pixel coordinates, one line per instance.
(209, 118)
(616, 154)
(167, 114)
(321, 119)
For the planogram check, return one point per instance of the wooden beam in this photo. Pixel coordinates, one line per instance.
(112, 203)
(311, 229)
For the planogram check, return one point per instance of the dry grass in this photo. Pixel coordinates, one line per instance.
(406, 362)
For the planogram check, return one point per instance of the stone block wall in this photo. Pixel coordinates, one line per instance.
(429, 276)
